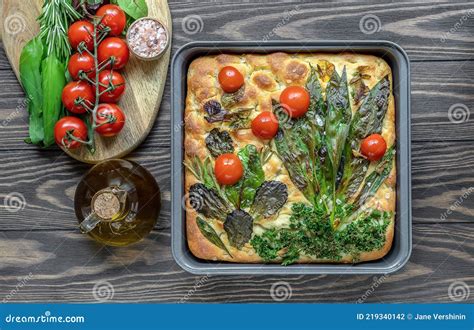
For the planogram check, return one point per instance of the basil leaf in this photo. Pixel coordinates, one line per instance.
(243, 192)
(134, 8)
(208, 232)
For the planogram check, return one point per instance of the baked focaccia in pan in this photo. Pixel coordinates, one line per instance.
(290, 158)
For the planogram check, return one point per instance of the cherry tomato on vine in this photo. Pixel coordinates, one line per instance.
(296, 100)
(265, 125)
(81, 62)
(116, 48)
(66, 126)
(111, 79)
(81, 31)
(76, 92)
(373, 147)
(228, 169)
(113, 17)
(230, 79)
(110, 119)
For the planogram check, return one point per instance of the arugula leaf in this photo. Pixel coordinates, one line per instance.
(208, 232)
(243, 192)
(134, 8)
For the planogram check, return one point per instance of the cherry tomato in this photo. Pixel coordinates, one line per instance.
(230, 79)
(81, 31)
(111, 79)
(110, 119)
(228, 169)
(81, 62)
(114, 48)
(265, 125)
(71, 125)
(75, 92)
(373, 147)
(113, 17)
(296, 100)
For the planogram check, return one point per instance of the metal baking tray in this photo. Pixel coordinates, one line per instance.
(402, 243)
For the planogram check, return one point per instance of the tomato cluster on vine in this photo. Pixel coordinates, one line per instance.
(97, 85)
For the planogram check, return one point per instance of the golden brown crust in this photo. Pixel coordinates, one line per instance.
(265, 77)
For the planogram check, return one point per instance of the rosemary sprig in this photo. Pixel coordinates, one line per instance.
(54, 22)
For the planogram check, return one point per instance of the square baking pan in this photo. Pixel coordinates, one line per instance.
(402, 242)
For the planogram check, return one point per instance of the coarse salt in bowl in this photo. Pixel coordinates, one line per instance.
(148, 38)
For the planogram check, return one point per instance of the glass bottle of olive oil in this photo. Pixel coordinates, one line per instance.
(117, 202)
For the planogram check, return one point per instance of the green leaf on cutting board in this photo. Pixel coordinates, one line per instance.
(134, 8)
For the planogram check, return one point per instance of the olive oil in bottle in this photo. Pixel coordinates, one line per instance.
(117, 202)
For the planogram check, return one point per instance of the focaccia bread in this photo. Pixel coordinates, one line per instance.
(266, 76)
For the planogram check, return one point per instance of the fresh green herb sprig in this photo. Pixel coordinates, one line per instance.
(55, 18)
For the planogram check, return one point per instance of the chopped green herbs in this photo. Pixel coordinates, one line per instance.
(311, 234)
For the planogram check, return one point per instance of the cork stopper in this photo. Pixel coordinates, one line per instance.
(106, 204)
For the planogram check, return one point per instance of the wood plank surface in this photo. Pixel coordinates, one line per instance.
(43, 258)
(65, 267)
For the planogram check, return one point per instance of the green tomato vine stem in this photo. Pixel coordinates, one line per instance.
(97, 36)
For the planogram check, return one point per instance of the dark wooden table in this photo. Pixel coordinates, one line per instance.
(43, 257)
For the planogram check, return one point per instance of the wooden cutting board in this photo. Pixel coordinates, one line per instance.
(145, 80)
